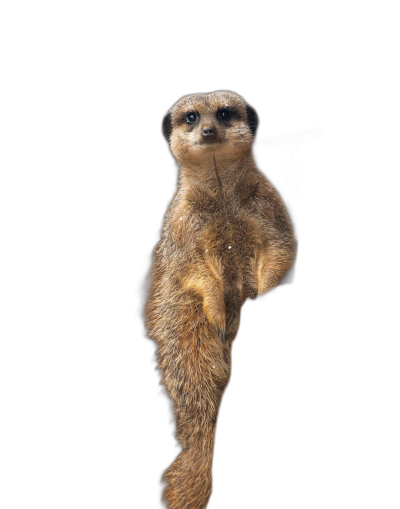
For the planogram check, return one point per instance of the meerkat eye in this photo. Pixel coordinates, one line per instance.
(225, 114)
(191, 117)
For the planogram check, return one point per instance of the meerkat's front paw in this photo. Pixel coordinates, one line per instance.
(221, 334)
(215, 313)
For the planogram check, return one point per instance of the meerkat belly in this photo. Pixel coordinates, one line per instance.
(226, 235)
(232, 243)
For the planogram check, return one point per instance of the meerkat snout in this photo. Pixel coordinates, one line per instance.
(208, 132)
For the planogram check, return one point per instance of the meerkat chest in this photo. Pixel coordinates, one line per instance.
(233, 236)
(222, 225)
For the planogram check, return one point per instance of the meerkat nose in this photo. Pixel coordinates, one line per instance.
(208, 132)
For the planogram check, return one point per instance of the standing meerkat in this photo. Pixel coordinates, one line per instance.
(227, 237)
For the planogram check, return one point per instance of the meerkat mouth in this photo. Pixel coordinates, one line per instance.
(206, 142)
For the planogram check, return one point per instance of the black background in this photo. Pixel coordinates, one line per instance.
(289, 426)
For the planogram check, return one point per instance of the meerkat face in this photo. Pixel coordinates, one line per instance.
(218, 123)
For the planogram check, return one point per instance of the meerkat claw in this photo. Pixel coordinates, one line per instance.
(221, 334)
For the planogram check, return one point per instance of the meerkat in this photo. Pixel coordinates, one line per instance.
(227, 236)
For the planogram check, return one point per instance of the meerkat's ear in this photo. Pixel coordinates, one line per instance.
(252, 119)
(167, 126)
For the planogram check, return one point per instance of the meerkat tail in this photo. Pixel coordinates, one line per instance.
(196, 369)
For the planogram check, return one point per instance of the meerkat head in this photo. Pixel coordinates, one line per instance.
(218, 123)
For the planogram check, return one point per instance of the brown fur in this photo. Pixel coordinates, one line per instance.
(200, 283)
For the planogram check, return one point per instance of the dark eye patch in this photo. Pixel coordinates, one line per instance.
(190, 117)
(225, 114)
